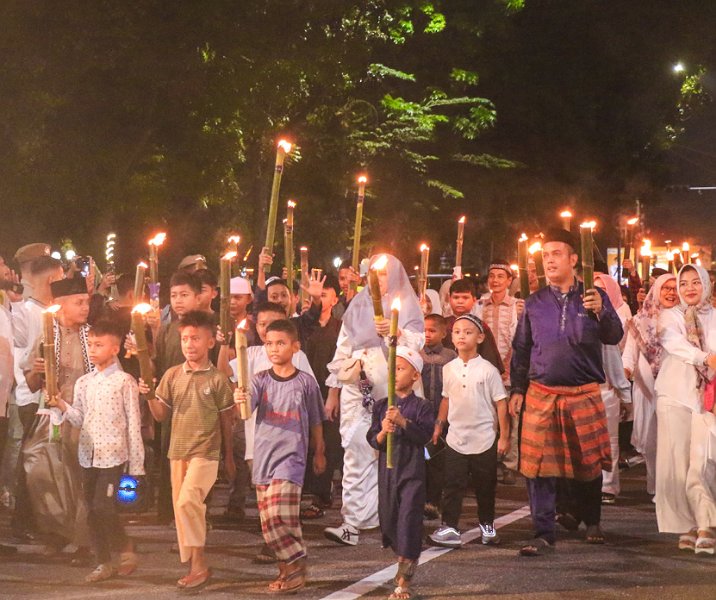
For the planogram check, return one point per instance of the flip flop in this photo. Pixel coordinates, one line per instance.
(312, 511)
(688, 540)
(197, 580)
(594, 535)
(705, 544)
(536, 547)
(290, 583)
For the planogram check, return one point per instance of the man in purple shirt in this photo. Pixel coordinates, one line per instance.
(555, 373)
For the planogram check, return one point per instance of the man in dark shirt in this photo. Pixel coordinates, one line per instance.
(555, 372)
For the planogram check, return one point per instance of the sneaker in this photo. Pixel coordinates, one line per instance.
(102, 572)
(446, 536)
(343, 534)
(489, 535)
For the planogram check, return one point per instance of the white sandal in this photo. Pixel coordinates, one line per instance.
(688, 540)
(705, 544)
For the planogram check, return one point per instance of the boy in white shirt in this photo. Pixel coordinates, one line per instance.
(474, 402)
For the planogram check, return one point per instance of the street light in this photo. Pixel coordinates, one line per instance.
(337, 262)
(678, 68)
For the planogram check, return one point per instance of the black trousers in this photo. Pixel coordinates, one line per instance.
(241, 485)
(479, 471)
(106, 530)
(22, 517)
(435, 478)
(581, 499)
(321, 485)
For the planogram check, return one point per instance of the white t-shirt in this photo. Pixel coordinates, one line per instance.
(472, 388)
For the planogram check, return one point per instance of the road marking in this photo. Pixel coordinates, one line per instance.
(374, 581)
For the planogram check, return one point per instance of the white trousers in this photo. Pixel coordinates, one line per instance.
(610, 481)
(360, 477)
(683, 498)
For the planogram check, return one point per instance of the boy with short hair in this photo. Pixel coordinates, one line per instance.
(474, 401)
(106, 396)
(289, 417)
(209, 289)
(198, 398)
(435, 356)
(401, 489)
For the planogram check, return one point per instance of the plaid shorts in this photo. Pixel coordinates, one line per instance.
(279, 507)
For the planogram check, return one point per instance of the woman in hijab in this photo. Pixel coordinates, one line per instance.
(616, 390)
(642, 359)
(685, 387)
(359, 374)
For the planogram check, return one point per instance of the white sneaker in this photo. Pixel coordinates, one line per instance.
(446, 536)
(489, 535)
(343, 534)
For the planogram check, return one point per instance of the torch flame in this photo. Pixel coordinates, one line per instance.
(461, 219)
(515, 267)
(142, 264)
(53, 309)
(362, 179)
(645, 249)
(685, 246)
(395, 305)
(523, 237)
(589, 224)
(229, 256)
(158, 239)
(669, 256)
(285, 145)
(424, 247)
(234, 239)
(536, 247)
(676, 251)
(647, 243)
(241, 325)
(142, 309)
(633, 221)
(695, 255)
(303, 249)
(566, 214)
(380, 263)
(291, 204)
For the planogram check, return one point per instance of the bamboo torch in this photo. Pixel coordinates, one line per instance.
(304, 274)
(585, 230)
(288, 245)
(645, 253)
(460, 241)
(566, 216)
(140, 338)
(686, 253)
(629, 242)
(225, 291)
(234, 240)
(242, 366)
(522, 265)
(49, 353)
(670, 259)
(154, 244)
(678, 260)
(358, 227)
(423, 271)
(282, 150)
(392, 347)
(139, 277)
(535, 251)
(377, 268)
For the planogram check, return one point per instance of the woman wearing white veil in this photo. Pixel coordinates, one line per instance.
(685, 387)
(359, 373)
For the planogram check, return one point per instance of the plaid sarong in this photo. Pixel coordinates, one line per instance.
(564, 433)
(279, 507)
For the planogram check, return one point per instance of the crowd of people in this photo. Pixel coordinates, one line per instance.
(487, 386)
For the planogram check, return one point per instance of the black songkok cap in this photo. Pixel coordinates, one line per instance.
(68, 287)
(561, 235)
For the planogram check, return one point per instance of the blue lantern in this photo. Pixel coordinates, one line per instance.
(127, 491)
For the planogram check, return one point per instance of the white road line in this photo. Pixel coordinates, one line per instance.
(374, 581)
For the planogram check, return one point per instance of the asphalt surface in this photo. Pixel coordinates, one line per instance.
(636, 561)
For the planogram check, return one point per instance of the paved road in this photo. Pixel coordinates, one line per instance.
(636, 562)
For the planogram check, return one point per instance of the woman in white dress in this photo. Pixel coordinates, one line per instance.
(363, 339)
(684, 495)
(642, 360)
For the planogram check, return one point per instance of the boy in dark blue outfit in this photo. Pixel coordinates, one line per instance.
(401, 490)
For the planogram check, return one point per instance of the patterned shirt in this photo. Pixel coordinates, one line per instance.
(502, 319)
(196, 399)
(106, 408)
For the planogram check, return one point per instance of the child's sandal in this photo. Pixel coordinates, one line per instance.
(400, 593)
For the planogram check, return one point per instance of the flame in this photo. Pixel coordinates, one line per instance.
(695, 255)
(669, 256)
(676, 251)
(285, 145)
(395, 305)
(234, 239)
(229, 256)
(633, 221)
(158, 239)
(380, 263)
(645, 250)
(362, 179)
(536, 247)
(303, 249)
(461, 219)
(698, 262)
(523, 237)
(291, 204)
(142, 309)
(685, 246)
(589, 224)
(515, 267)
(142, 264)
(647, 243)
(566, 214)
(424, 247)
(241, 325)
(53, 309)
